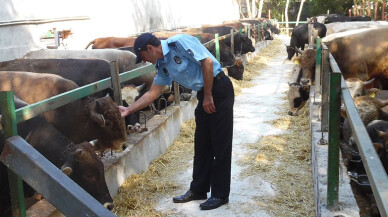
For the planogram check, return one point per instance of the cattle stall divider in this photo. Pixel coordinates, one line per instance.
(333, 89)
(24, 165)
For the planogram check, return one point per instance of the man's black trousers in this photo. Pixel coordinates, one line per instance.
(213, 141)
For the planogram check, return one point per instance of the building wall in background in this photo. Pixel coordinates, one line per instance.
(118, 18)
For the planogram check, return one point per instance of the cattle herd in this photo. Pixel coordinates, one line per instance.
(64, 135)
(360, 48)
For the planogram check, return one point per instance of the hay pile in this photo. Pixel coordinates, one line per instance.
(284, 161)
(139, 194)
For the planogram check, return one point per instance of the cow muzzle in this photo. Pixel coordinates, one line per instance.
(109, 206)
(305, 81)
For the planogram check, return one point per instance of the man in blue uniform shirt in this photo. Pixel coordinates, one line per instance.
(182, 58)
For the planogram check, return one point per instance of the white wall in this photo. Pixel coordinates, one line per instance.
(107, 18)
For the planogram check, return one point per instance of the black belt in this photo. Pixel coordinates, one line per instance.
(219, 75)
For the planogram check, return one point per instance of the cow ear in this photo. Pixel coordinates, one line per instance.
(78, 153)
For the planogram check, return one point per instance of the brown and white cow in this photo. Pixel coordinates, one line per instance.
(82, 120)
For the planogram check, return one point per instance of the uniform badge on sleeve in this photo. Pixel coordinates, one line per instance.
(165, 70)
(178, 60)
(190, 52)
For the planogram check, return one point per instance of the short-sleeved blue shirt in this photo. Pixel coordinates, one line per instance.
(181, 62)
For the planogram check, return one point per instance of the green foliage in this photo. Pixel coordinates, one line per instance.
(310, 8)
(334, 7)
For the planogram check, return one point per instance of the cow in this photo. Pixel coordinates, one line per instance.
(80, 71)
(111, 42)
(125, 60)
(78, 161)
(236, 71)
(242, 44)
(227, 58)
(342, 27)
(369, 109)
(300, 35)
(362, 55)
(357, 87)
(297, 97)
(265, 31)
(220, 29)
(84, 119)
(307, 67)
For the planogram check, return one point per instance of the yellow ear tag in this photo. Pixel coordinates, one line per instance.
(297, 62)
(373, 95)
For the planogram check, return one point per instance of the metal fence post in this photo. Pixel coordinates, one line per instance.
(217, 44)
(325, 89)
(7, 105)
(177, 94)
(232, 41)
(333, 152)
(318, 64)
(114, 72)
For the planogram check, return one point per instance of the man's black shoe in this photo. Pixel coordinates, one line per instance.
(189, 196)
(213, 202)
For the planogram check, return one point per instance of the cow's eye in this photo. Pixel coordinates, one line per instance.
(89, 177)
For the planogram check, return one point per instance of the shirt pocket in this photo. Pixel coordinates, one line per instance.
(181, 63)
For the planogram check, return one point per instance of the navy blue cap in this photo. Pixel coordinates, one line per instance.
(140, 44)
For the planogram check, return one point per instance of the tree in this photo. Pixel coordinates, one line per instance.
(260, 8)
(300, 11)
(286, 15)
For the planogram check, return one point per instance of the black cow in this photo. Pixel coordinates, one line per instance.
(242, 44)
(78, 161)
(300, 36)
(220, 29)
(227, 58)
(236, 71)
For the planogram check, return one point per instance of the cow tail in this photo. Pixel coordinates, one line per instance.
(92, 42)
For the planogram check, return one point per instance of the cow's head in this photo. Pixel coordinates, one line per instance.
(297, 97)
(104, 119)
(307, 66)
(246, 44)
(236, 71)
(357, 87)
(290, 51)
(267, 34)
(84, 167)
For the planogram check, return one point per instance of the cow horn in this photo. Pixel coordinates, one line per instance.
(140, 87)
(79, 152)
(299, 51)
(365, 83)
(382, 102)
(67, 170)
(380, 133)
